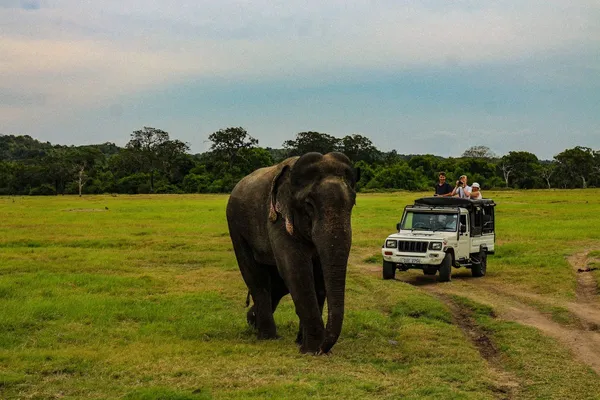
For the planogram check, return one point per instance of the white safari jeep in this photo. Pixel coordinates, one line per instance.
(438, 233)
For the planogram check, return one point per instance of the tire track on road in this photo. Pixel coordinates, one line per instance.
(584, 342)
(506, 384)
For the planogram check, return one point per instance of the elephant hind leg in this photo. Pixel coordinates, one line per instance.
(258, 280)
(278, 290)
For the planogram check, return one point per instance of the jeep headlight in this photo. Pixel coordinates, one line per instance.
(391, 244)
(435, 246)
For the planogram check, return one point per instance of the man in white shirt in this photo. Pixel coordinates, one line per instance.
(462, 189)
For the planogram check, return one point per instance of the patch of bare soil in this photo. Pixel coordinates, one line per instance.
(86, 209)
(587, 287)
(510, 304)
(507, 384)
(588, 313)
(584, 344)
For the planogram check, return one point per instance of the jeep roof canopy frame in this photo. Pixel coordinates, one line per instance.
(474, 207)
(454, 202)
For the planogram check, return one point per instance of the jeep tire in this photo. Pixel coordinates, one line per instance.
(479, 267)
(446, 269)
(389, 270)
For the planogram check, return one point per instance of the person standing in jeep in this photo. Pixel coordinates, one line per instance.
(462, 189)
(443, 188)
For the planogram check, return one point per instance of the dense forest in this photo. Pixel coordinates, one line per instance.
(153, 162)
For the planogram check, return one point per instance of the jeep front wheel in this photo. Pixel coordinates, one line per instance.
(479, 267)
(389, 270)
(446, 269)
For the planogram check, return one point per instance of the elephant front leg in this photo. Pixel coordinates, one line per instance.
(298, 276)
(320, 292)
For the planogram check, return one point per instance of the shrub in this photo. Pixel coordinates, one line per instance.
(43, 190)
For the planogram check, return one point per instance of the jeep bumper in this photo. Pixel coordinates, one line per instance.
(413, 260)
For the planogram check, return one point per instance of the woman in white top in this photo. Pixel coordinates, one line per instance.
(475, 192)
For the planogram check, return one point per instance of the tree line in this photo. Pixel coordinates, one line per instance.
(153, 162)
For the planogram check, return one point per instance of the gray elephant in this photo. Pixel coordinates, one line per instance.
(291, 232)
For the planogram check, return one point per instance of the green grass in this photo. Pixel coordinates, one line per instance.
(144, 300)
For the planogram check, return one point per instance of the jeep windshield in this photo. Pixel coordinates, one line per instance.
(428, 221)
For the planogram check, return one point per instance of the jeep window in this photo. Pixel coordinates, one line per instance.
(463, 220)
(488, 219)
(426, 221)
(476, 220)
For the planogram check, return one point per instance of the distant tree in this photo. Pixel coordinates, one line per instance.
(392, 157)
(428, 164)
(22, 148)
(58, 168)
(523, 166)
(306, 142)
(577, 163)
(227, 143)
(546, 171)
(252, 159)
(82, 159)
(506, 169)
(479, 152)
(277, 155)
(367, 172)
(398, 176)
(152, 149)
(358, 148)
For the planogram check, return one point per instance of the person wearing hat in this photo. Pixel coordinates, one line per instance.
(475, 192)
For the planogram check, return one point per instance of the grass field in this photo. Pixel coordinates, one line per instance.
(139, 297)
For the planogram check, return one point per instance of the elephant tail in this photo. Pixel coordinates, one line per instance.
(248, 299)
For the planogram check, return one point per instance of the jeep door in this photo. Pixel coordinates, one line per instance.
(464, 243)
(483, 222)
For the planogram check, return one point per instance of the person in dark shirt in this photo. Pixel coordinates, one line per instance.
(443, 188)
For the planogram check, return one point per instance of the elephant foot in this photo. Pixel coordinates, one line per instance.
(310, 346)
(305, 349)
(267, 336)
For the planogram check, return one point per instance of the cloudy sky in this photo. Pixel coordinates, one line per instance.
(429, 76)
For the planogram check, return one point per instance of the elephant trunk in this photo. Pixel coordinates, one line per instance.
(333, 247)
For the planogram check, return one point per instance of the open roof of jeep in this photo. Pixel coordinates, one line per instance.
(454, 202)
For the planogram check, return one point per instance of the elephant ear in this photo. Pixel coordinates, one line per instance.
(278, 203)
(357, 172)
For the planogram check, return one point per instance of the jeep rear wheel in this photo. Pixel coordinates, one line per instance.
(479, 266)
(389, 270)
(446, 269)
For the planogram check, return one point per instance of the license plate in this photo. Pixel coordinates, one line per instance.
(411, 261)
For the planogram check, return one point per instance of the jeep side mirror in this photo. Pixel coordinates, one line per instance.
(398, 226)
(463, 228)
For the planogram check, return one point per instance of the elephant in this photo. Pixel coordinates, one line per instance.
(290, 225)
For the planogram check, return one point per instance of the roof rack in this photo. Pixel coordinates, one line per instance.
(453, 202)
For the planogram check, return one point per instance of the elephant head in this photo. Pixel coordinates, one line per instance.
(313, 198)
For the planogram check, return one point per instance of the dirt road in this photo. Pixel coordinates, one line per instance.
(581, 336)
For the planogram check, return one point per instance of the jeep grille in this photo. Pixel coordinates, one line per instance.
(412, 247)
